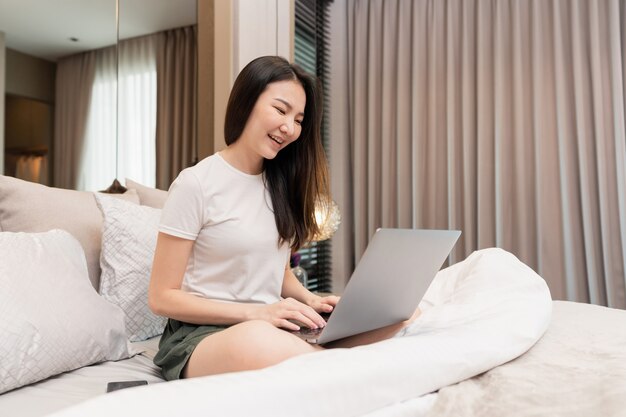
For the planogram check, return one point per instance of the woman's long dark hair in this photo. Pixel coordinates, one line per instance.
(297, 177)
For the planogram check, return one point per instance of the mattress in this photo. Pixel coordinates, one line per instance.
(577, 369)
(70, 388)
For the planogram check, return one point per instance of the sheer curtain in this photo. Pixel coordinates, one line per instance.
(132, 154)
(137, 110)
(97, 163)
(504, 119)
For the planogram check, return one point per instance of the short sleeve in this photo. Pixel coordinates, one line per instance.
(183, 213)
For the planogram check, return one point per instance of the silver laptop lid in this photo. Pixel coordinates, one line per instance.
(390, 280)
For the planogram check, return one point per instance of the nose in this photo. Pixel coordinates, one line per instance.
(288, 128)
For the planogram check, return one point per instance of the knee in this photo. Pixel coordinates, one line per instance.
(249, 335)
(262, 344)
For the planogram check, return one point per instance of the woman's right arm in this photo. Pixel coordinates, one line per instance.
(166, 298)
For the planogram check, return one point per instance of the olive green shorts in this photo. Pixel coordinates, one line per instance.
(177, 344)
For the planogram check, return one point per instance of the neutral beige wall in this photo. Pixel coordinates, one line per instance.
(2, 77)
(244, 30)
(223, 61)
(28, 76)
(206, 77)
(28, 123)
(230, 34)
(261, 27)
(29, 106)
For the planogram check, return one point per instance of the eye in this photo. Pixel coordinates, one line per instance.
(299, 122)
(280, 111)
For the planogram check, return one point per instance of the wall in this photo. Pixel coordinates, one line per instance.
(29, 109)
(206, 76)
(260, 27)
(28, 76)
(2, 77)
(28, 126)
(222, 61)
(244, 30)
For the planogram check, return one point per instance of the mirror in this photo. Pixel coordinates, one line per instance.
(157, 90)
(37, 34)
(45, 97)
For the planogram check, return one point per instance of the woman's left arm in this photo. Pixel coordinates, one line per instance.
(294, 289)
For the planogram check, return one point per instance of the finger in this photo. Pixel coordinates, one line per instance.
(286, 324)
(314, 320)
(327, 308)
(327, 304)
(330, 299)
(321, 307)
(313, 315)
(306, 321)
(309, 317)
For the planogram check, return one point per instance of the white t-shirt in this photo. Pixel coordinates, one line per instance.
(236, 257)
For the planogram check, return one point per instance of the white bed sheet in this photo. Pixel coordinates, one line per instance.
(70, 388)
(577, 369)
(477, 314)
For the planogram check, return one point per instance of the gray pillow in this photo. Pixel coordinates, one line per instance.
(30, 207)
(148, 196)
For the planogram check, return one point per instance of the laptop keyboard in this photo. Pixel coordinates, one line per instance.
(306, 331)
(310, 332)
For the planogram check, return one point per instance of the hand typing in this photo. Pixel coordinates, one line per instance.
(283, 313)
(323, 304)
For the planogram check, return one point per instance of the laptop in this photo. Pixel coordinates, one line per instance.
(388, 283)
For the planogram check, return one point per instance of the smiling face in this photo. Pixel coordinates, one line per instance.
(275, 120)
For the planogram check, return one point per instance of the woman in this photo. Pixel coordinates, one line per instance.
(221, 266)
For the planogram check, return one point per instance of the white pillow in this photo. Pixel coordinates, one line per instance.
(52, 319)
(128, 242)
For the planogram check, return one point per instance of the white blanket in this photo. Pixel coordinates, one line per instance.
(477, 314)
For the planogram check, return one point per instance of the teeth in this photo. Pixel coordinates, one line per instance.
(275, 139)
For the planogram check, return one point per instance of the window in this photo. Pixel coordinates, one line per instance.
(311, 53)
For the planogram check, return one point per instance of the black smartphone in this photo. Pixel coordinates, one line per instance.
(114, 386)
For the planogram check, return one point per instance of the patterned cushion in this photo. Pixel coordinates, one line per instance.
(52, 319)
(128, 242)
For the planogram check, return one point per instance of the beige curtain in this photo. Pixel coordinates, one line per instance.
(74, 80)
(176, 143)
(504, 119)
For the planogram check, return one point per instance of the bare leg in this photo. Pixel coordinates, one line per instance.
(246, 346)
(373, 335)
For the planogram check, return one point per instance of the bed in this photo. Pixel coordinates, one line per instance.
(489, 341)
(70, 388)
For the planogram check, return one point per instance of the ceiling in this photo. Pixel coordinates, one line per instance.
(43, 28)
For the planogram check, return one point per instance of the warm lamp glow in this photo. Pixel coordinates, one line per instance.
(327, 217)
